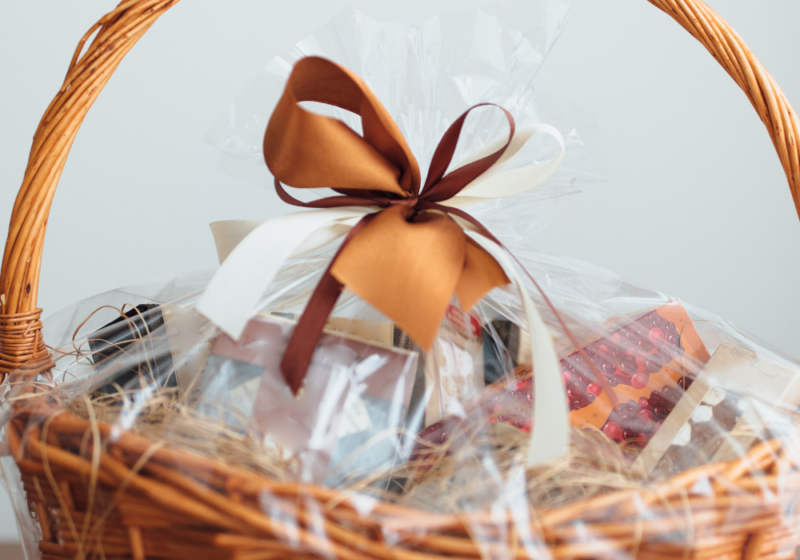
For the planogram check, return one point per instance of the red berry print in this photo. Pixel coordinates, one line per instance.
(628, 365)
(652, 365)
(575, 391)
(656, 335)
(613, 431)
(639, 381)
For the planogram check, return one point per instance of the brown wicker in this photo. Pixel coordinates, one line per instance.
(131, 498)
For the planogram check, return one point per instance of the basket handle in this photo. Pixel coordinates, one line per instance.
(21, 344)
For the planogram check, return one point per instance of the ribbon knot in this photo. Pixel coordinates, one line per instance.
(412, 202)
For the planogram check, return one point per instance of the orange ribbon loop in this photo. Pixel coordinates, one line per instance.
(409, 259)
(307, 150)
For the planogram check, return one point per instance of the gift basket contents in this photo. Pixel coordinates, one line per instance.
(391, 372)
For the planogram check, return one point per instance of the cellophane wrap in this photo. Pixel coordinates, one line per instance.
(390, 441)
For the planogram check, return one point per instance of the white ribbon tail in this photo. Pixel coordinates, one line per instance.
(550, 434)
(229, 233)
(231, 297)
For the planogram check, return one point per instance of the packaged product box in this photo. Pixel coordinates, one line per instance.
(645, 365)
(355, 391)
(118, 355)
(725, 411)
(640, 373)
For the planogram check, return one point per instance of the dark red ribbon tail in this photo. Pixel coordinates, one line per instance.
(305, 337)
(300, 350)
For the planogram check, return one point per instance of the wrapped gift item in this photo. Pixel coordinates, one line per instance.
(356, 392)
(149, 344)
(118, 337)
(386, 333)
(453, 370)
(730, 406)
(762, 383)
(507, 403)
(641, 365)
(645, 367)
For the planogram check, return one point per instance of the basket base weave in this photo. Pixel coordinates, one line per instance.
(130, 498)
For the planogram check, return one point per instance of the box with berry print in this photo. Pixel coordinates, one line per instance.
(624, 385)
(627, 383)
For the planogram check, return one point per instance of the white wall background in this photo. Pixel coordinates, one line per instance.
(696, 205)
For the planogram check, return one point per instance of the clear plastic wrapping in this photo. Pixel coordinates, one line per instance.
(710, 398)
(158, 436)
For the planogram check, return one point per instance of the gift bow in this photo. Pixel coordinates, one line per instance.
(405, 252)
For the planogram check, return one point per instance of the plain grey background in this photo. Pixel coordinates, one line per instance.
(696, 204)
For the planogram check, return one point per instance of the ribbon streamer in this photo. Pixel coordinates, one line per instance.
(404, 253)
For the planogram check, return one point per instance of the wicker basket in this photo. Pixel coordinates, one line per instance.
(133, 499)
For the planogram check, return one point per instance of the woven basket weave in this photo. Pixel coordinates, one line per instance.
(129, 498)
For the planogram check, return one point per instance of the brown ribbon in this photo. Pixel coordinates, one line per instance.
(408, 259)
